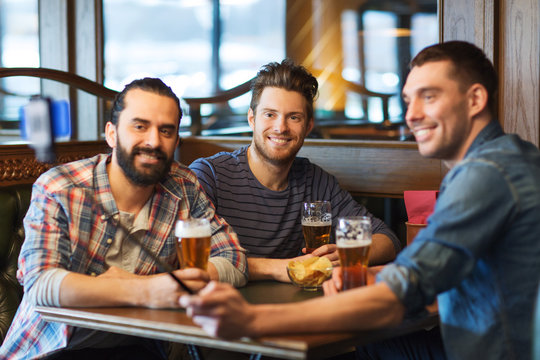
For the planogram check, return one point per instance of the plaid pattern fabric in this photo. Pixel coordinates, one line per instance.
(70, 218)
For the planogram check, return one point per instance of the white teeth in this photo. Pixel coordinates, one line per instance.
(282, 141)
(148, 156)
(421, 132)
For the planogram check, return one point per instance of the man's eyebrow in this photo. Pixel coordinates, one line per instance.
(422, 90)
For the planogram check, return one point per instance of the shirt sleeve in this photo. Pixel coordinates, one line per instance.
(227, 272)
(46, 289)
(46, 244)
(474, 204)
(207, 177)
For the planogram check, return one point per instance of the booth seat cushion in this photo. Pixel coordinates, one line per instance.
(14, 202)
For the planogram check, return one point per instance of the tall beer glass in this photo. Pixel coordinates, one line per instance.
(353, 240)
(316, 224)
(193, 245)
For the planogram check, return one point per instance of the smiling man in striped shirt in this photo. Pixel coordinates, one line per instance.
(259, 189)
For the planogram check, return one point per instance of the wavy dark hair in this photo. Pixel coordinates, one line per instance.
(285, 75)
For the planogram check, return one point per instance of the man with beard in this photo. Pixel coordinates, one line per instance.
(76, 252)
(260, 189)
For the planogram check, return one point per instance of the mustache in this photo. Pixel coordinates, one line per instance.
(152, 152)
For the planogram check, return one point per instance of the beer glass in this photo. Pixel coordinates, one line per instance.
(316, 224)
(193, 245)
(353, 240)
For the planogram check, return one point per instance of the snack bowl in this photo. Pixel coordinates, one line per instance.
(309, 274)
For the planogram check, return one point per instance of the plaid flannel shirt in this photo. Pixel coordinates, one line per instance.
(67, 226)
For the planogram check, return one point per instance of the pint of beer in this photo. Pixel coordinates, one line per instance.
(316, 224)
(353, 240)
(193, 245)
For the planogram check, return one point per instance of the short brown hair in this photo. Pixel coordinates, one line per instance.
(285, 75)
(470, 65)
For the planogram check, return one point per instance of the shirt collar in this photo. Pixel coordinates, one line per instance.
(489, 132)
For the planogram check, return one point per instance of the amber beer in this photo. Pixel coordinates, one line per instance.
(316, 224)
(353, 240)
(193, 245)
(354, 259)
(316, 234)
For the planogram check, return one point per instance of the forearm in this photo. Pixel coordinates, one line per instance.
(119, 288)
(363, 308)
(265, 269)
(382, 250)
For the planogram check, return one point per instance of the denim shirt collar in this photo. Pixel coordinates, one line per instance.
(491, 131)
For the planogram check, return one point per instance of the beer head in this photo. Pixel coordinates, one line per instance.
(193, 228)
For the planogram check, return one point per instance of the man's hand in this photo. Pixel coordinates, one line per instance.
(329, 251)
(220, 310)
(117, 287)
(335, 284)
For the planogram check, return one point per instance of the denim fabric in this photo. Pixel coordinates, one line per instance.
(480, 253)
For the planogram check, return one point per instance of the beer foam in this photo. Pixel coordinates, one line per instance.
(352, 243)
(307, 222)
(193, 231)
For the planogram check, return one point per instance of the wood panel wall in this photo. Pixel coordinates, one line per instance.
(364, 168)
(509, 33)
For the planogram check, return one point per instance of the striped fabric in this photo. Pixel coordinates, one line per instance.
(70, 218)
(268, 223)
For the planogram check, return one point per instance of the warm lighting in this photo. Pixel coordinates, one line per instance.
(397, 32)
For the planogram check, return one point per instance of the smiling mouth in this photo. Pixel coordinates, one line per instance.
(279, 141)
(423, 133)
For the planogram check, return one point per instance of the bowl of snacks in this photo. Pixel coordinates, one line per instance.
(309, 274)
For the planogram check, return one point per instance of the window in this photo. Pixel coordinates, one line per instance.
(19, 47)
(195, 46)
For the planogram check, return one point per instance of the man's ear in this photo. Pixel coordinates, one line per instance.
(110, 134)
(251, 119)
(477, 98)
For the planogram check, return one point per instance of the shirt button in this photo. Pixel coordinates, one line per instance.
(109, 241)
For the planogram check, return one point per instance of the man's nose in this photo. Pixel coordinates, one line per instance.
(152, 139)
(414, 112)
(280, 124)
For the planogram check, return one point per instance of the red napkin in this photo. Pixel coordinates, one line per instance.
(419, 205)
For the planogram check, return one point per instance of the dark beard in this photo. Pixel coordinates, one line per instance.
(153, 176)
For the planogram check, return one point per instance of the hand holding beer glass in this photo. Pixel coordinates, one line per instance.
(316, 224)
(353, 240)
(193, 245)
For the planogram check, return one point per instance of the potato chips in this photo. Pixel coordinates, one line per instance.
(311, 272)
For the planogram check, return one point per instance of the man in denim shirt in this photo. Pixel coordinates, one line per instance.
(479, 255)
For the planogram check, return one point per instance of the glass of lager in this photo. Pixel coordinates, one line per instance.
(353, 240)
(316, 224)
(193, 245)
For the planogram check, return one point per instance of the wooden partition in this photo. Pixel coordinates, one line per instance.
(364, 168)
(19, 166)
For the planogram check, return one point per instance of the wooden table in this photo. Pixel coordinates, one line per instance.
(174, 325)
